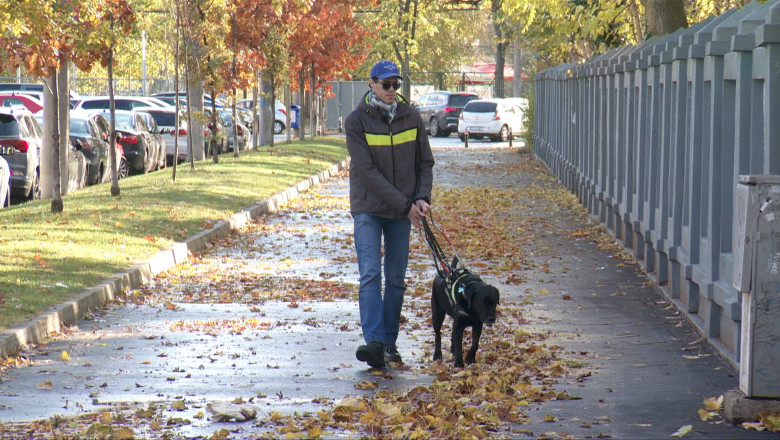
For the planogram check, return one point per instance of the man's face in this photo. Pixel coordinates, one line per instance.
(385, 89)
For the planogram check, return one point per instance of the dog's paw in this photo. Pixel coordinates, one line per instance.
(437, 356)
(459, 364)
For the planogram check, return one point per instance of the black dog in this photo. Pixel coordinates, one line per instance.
(470, 302)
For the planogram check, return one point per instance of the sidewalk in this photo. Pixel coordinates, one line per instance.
(269, 316)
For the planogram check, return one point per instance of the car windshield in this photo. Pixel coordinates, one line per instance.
(124, 122)
(164, 119)
(461, 100)
(480, 107)
(79, 126)
(8, 126)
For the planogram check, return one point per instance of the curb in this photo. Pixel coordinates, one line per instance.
(51, 320)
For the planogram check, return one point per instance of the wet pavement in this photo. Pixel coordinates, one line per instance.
(269, 316)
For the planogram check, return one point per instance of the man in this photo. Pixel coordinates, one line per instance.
(390, 180)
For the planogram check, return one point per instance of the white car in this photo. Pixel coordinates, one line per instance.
(280, 116)
(5, 185)
(120, 103)
(492, 118)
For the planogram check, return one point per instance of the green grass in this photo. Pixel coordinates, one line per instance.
(46, 258)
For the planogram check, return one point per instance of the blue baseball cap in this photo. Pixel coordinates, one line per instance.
(385, 69)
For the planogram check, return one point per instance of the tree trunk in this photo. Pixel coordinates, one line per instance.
(213, 138)
(312, 103)
(255, 114)
(500, 50)
(56, 195)
(235, 116)
(272, 111)
(288, 105)
(176, 90)
(664, 16)
(45, 158)
(302, 91)
(517, 84)
(63, 104)
(266, 126)
(112, 116)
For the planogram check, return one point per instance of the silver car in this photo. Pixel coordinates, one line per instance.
(166, 121)
(232, 129)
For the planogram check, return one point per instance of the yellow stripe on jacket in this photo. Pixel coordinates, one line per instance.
(387, 140)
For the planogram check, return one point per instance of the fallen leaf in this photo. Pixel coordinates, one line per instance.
(685, 429)
(46, 385)
(713, 403)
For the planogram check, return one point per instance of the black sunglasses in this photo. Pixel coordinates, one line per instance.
(395, 85)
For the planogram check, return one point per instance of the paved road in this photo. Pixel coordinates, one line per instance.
(269, 316)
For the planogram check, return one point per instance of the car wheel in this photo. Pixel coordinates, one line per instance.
(435, 129)
(503, 135)
(124, 169)
(278, 127)
(35, 188)
(147, 163)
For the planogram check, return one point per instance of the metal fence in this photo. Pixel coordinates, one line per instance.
(653, 138)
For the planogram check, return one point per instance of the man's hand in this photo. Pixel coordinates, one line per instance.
(418, 211)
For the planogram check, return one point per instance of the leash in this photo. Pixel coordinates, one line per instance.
(457, 279)
(440, 258)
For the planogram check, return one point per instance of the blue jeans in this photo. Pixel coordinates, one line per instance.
(380, 315)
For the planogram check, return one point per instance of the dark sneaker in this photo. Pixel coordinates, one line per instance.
(391, 353)
(373, 354)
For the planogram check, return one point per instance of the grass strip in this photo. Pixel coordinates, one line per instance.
(46, 258)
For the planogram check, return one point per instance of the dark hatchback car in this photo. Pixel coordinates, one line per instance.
(141, 149)
(440, 110)
(86, 136)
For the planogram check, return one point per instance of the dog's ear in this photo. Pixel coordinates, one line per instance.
(495, 294)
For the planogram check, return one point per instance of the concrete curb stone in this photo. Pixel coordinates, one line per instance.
(52, 319)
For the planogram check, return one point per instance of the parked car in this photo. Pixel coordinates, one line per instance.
(440, 110)
(494, 118)
(87, 136)
(15, 99)
(159, 161)
(77, 162)
(230, 128)
(20, 145)
(166, 121)
(280, 113)
(104, 126)
(140, 148)
(218, 133)
(5, 182)
(120, 103)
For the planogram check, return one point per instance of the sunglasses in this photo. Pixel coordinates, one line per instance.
(395, 85)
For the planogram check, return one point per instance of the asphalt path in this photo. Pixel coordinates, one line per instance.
(213, 332)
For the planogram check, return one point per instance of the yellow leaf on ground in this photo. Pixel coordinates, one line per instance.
(713, 403)
(683, 430)
(65, 356)
(123, 433)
